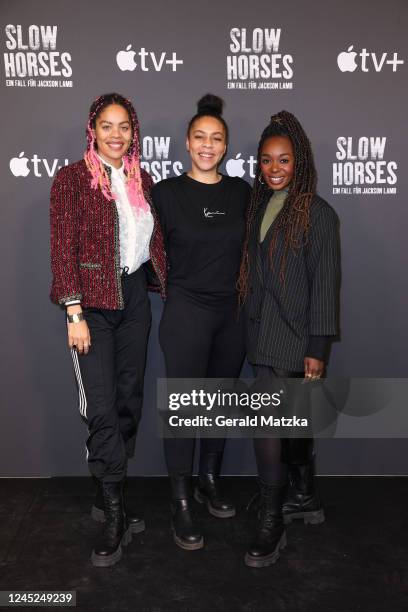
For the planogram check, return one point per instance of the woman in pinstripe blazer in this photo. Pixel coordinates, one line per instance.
(289, 282)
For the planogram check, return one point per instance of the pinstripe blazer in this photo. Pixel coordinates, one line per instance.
(280, 317)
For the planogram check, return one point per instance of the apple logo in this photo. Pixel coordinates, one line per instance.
(235, 167)
(126, 59)
(18, 165)
(346, 60)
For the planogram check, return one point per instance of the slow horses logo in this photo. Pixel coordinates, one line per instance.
(32, 58)
(256, 60)
(155, 160)
(362, 167)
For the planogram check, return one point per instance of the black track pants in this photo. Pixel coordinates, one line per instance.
(110, 379)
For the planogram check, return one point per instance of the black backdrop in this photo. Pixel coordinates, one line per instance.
(260, 57)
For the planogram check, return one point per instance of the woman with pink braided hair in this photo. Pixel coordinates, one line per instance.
(103, 234)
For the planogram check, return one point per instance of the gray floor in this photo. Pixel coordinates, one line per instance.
(356, 561)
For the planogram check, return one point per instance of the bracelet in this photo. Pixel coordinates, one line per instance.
(76, 318)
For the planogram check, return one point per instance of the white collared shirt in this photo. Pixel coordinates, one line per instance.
(135, 227)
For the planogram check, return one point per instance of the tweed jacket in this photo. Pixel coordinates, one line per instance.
(85, 256)
(281, 316)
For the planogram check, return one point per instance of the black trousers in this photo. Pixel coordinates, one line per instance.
(110, 378)
(198, 341)
(272, 454)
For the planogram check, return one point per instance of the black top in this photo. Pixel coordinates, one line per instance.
(204, 228)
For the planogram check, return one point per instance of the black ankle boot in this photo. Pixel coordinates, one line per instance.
(185, 532)
(270, 534)
(115, 533)
(207, 491)
(98, 513)
(302, 499)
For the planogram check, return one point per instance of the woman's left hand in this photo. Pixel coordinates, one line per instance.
(314, 368)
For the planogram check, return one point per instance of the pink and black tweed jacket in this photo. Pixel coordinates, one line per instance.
(85, 257)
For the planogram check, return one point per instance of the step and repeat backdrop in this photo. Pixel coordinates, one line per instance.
(340, 67)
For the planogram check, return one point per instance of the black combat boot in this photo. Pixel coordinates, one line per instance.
(98, 514)
(207, 491)
(185, 532)
(115, 532)
(270, 536)
(302, 499)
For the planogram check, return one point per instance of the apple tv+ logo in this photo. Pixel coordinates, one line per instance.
(19, 166)
(236, 166)
(367, 61)
(147, 60)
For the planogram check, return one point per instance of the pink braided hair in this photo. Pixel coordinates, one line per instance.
(131, 159)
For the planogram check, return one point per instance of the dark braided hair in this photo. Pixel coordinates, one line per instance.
(131, 159)
(209, 106)
(293, 220)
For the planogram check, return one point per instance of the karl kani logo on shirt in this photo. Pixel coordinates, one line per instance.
(209, 214)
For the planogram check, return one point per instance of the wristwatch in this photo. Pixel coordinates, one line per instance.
(76, 318)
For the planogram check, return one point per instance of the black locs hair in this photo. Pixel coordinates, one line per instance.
(293, 221)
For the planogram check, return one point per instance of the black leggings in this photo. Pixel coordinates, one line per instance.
(198, 341)
(273, 454)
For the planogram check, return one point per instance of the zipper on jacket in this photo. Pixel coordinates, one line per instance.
(117, 258)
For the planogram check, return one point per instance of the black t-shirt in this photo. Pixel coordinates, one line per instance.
(204, 229)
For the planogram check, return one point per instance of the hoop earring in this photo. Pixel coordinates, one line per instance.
(260, 179)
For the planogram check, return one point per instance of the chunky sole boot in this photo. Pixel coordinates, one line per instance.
(268, 559)
(208, 489)
(116, 531)
(136, 525)
(312, 517)
(270, 535)
(185, 544)
(201, 498)
(185, 532)
(302, 500)
(111, 559)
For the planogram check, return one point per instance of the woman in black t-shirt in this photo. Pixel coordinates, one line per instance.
(202, 214)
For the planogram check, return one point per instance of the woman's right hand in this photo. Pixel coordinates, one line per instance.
(79, 337)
